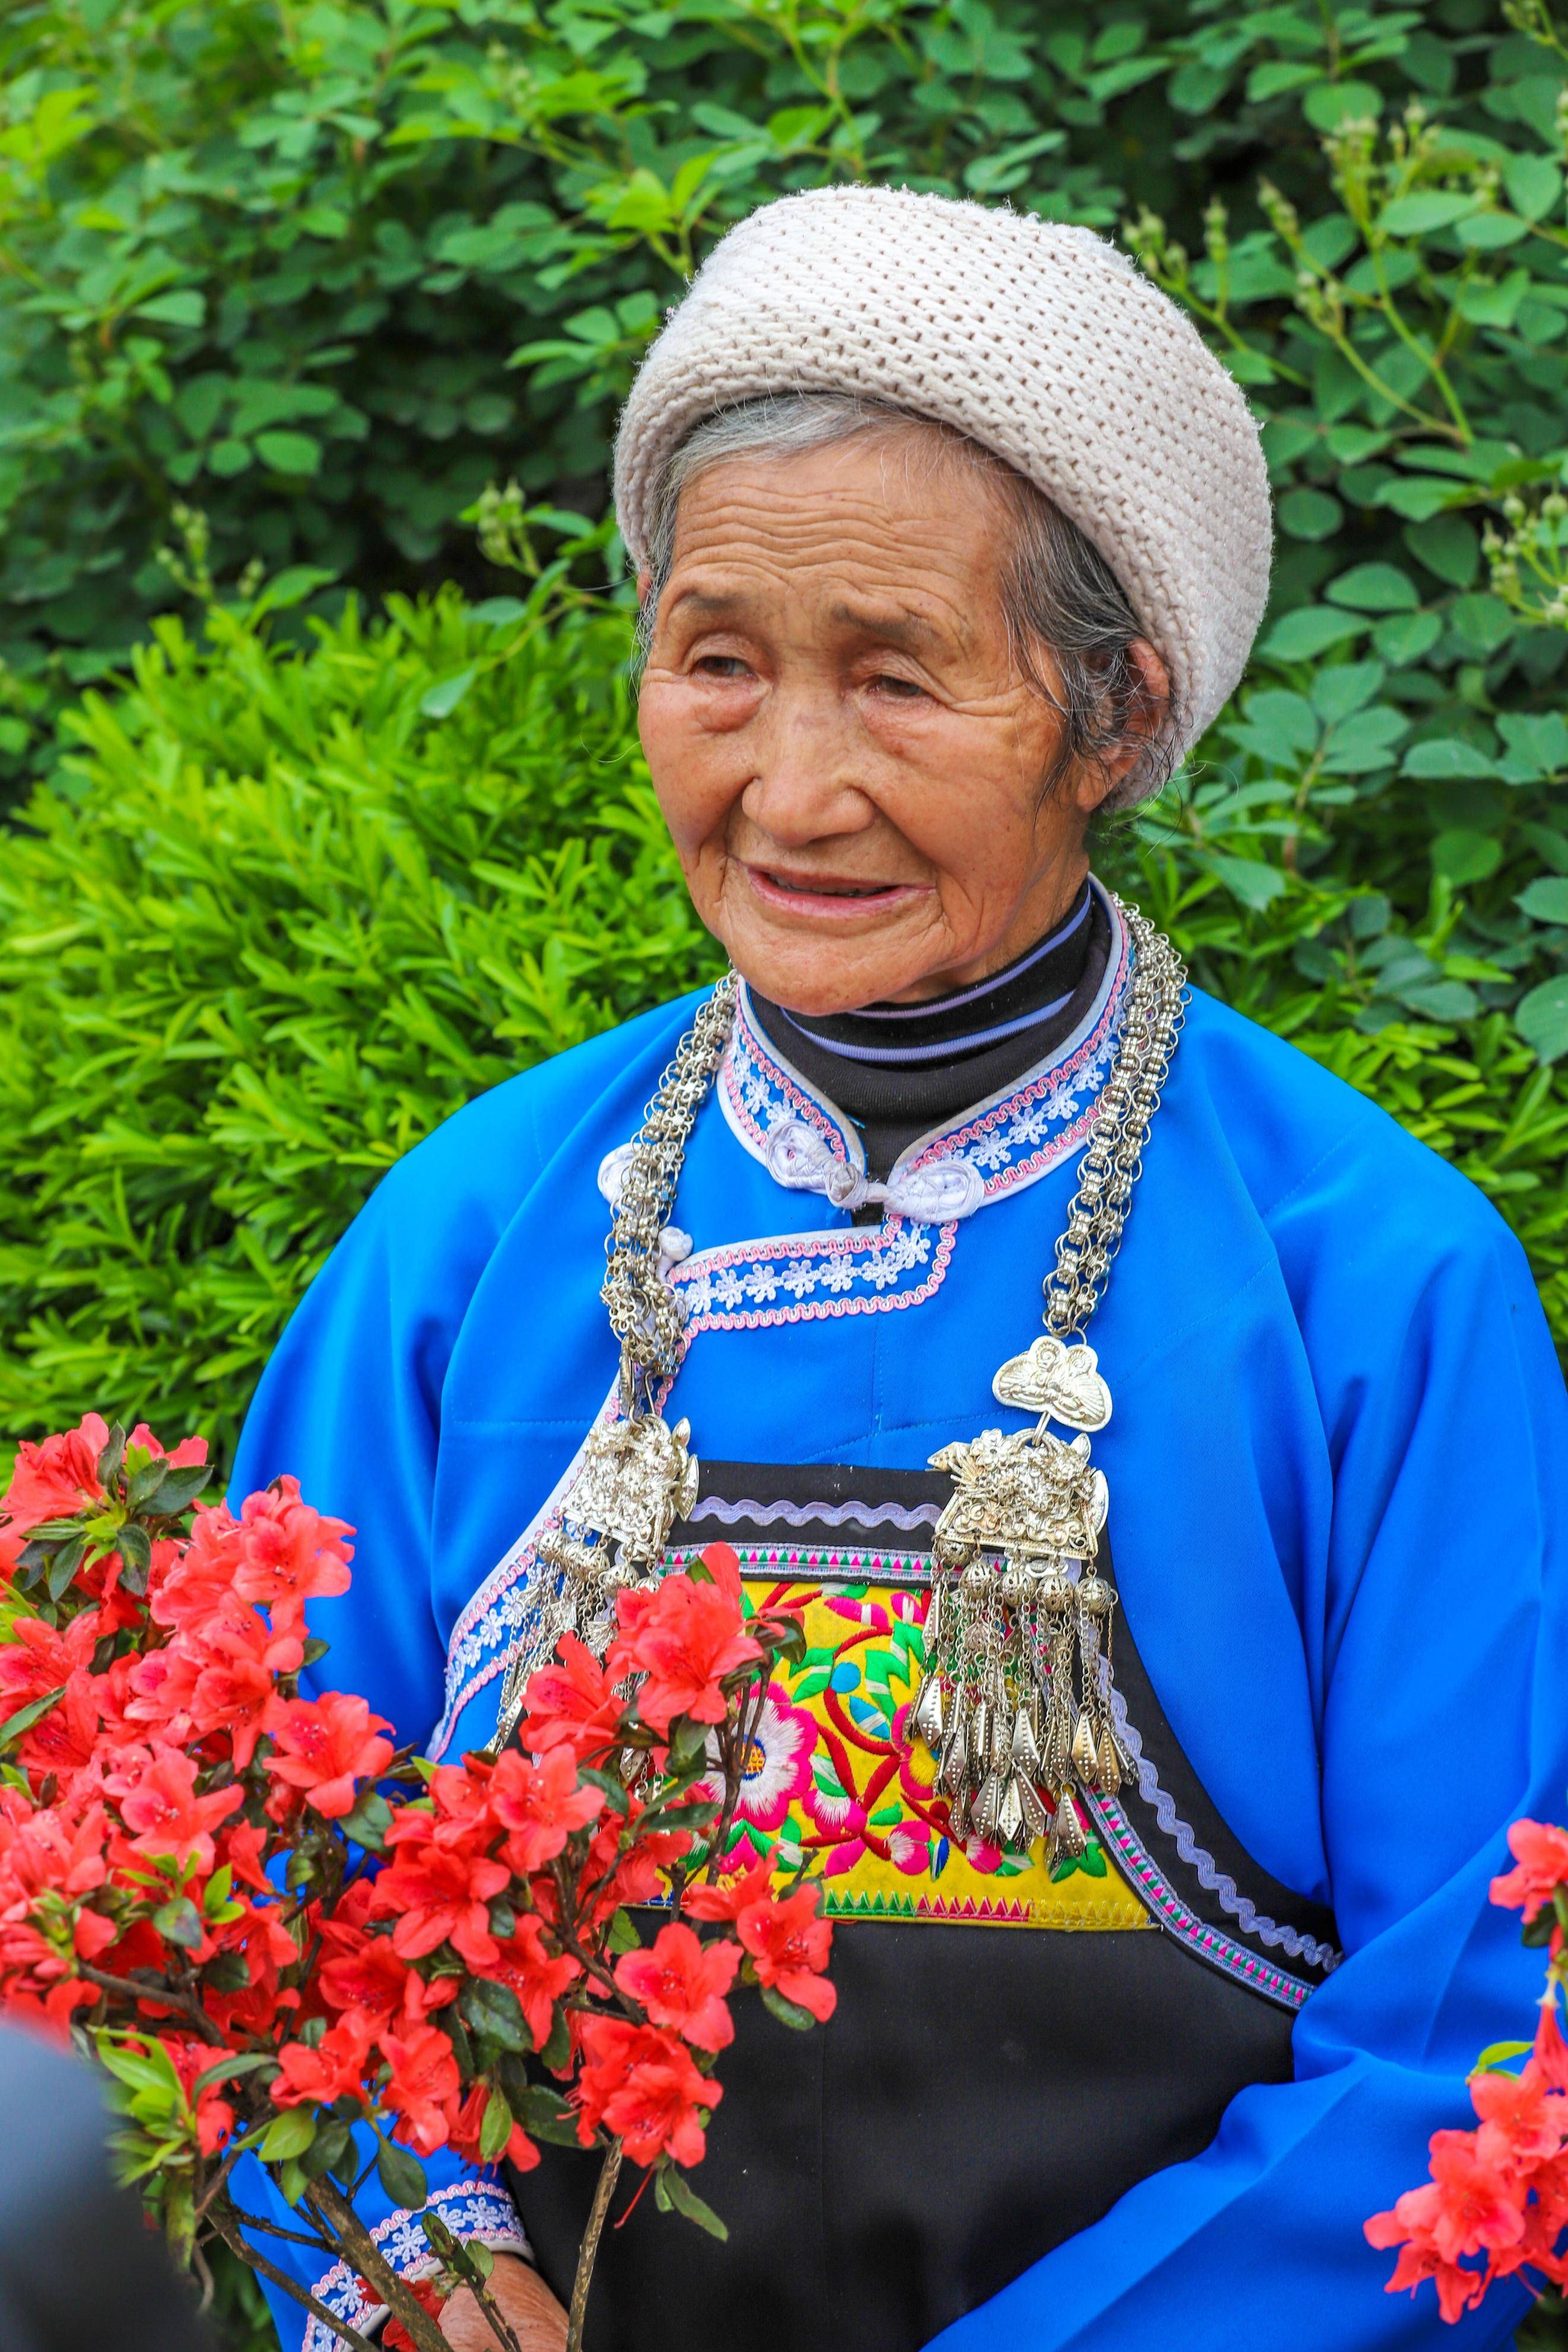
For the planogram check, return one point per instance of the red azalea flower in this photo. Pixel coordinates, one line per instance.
(236, 1689)
(728, 1900)
(520, 2149)
(682, 1983)
(640, 2084)
(289, 1553)
(685, 1640)
(423, 2086)
(53, 1479)
(790, 1947)
(1548, 2061)
(395, 2335)
(1540, 1850)
(158, 1801)
(366, 1975)
(540, 1805)
(197, 1586)
(333, 2070)
(571, 1703)
(438, 1895)
(1521, 2121)
(35, 1659)
(538, 1980)
(324, 1745)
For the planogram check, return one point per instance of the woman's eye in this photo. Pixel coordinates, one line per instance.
(902, 689)
(721, 666)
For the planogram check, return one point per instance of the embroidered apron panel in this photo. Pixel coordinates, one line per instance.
(831, 1780)
(976, 2097)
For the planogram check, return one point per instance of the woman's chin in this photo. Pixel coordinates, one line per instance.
(820, 978)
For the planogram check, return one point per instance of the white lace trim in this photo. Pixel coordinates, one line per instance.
(1246, 1913)
(908, 1517)
(471, 2210)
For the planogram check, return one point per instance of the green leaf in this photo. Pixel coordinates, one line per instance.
(787, 2012)
(179, 1489)
(1249, 879)
(1545, 900)
(1542, 1018)
(441, 700)
(26, 1717)
(288, 453)
(368, 1821)
(1461, 857)
(1303, 635)
(623, 1936)
(1488, 232)
(496, 2128)
(180, 1922)
(291, 587)
(1498, 2053)
(1331, 103)
(1535, 745)
(494, 2009)
(685, 2199)
(1447, 757)
(1427, 210)
(1405, 637)
(1374, 588)
(1310, 514)
(288, 2135)
(182, 305)
(1534, 185)
(545, 2115)
(400, 2174)
(1448, 546)
(1418, 496)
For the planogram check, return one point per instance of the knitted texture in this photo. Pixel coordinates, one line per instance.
(1038, 340)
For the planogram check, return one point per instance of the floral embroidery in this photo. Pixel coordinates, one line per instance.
(470, 2209)
(777, 1767)
(863, 1270)
(838, 1789)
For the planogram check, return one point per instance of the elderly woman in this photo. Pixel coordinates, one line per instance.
(1162, 1940)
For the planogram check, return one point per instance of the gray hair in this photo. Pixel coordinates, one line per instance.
(1057, 589)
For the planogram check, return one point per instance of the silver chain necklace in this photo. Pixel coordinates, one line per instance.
(1015, 1695)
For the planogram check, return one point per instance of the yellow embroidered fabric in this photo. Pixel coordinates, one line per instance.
(831, 1782)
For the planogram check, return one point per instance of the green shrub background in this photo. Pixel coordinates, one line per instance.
(337, 815)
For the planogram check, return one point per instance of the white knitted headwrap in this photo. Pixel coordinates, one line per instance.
(1039, 340)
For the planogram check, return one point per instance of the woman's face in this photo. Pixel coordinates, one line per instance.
(852, 765)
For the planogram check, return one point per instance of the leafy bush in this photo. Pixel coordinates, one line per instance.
(295, 906)
(285, 923)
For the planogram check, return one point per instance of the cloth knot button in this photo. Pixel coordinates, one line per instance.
(933, 1195)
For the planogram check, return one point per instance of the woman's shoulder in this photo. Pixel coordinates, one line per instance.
(1313, 1150)
(484, 1159)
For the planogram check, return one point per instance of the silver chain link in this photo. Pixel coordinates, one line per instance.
(644, 1314)
(1151, 1023)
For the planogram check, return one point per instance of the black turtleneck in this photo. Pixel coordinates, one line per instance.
(898, 1070)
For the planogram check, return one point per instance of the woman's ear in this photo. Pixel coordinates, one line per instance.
(1148, 709)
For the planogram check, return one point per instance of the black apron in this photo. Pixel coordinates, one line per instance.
(982, 2092)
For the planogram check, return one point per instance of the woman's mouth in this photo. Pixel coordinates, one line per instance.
(832, 898)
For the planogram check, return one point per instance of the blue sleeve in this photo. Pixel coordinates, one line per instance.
(351, 1404)
(1444, 1644)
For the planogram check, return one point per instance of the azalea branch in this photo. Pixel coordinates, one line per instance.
(317, 2243)
(608, 2173)
(157, 1995)
(368, 2259)
(301, 2295)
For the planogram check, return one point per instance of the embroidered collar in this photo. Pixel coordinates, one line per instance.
(1008, 1140)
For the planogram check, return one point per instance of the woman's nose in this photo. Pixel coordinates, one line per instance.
(806, 782)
